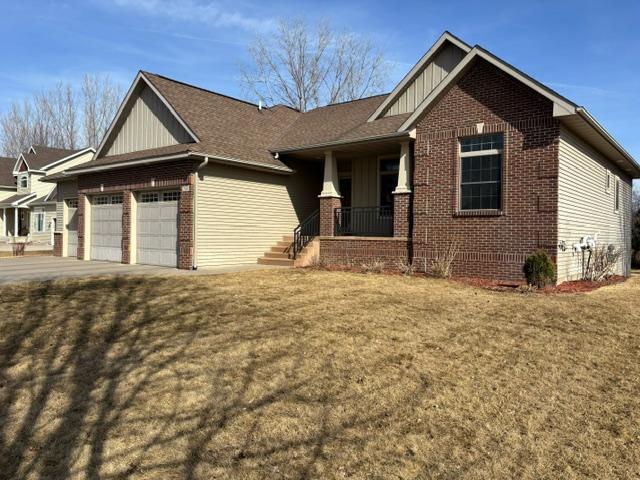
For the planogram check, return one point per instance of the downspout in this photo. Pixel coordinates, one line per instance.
(194, 260)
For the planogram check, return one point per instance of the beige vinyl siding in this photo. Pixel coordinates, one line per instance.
(50, 213)
(149, 124)
(68, 189)
(241, 213)
(428, 79)
(585, 207)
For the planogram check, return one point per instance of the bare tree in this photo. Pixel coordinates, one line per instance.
(101, 97)
(61, 117)
(306, 67)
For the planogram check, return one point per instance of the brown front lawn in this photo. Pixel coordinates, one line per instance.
(308, 374)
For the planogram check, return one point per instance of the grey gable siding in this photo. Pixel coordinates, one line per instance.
(149, 124)
(587, 207)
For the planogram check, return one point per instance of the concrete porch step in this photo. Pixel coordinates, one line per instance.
(280, 254)
(285, 262)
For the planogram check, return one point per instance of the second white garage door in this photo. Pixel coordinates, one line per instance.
(106, 228)
(157, 228)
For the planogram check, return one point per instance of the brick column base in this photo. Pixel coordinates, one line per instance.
(327, 217)
(57, 244)
(401, 214)
(185, 228)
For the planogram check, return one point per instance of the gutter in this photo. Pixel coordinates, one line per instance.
(343, 142)
(582, 112)
(147, 161)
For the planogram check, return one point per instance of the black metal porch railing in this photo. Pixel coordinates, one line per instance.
(364, 221)
(305, 232)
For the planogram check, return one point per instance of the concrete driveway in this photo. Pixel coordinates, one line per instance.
(25, 269)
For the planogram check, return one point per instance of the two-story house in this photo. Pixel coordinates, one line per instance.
(27, 204)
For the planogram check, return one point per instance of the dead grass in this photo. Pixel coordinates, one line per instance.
(311, 374)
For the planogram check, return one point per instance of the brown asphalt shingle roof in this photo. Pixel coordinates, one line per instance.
(14, 198)
(235, 129)
(338, 122)
(6, 172)
(45, 155)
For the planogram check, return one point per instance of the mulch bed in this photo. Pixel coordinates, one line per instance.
(575, 286)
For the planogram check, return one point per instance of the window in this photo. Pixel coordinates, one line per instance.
(481, 172)
(388, 180)
(116, 199)
(617, 193)
(149, 197)
(38, 221)
(170, 196)
(72, 203)
(24, 182)
(608, 184)
(101, 200)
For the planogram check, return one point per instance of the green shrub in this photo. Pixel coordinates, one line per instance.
(539, 269)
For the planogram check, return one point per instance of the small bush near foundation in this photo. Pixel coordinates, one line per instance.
(316, 262)
(539, 269)
(442, 264)
(405, 267)
(374, 266)
(602, 263)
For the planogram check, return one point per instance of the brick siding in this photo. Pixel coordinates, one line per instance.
(401, 214)
(490, 245)
(327, 217)
(57, 244)
(354, 251)
(131, 180)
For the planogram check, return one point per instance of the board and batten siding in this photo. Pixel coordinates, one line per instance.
(241, 214)
(149, 124)
(587, 207)
(431, 75)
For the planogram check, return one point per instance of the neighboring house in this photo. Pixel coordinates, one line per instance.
(465, 151)
(7, 184)
(30, 208)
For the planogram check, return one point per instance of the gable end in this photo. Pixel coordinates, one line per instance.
(146, 124)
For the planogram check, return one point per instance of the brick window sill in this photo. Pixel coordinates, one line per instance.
(478, 213)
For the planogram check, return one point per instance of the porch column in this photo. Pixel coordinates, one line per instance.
(330, 196)
(4, 222)
(402, 194)
(15, 222)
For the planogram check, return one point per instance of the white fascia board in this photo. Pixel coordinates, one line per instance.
(563, 106)
(24, 201)
(66, 159)
(445, 37)
(214, 158)
(17, 164)
(583, 113)
(32, 149)
(140, 78)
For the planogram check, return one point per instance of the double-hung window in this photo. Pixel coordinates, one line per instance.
(38, 221)
(481, 172)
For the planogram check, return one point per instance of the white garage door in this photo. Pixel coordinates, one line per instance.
(72, 227)
(106, 228)
(157, 228)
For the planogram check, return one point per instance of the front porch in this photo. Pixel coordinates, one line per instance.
(15, 222)
(365, 202)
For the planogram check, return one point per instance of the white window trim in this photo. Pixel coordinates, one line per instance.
(480, 153)
(37, 213)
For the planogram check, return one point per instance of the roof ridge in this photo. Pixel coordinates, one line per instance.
(200, 88)
(348, 101)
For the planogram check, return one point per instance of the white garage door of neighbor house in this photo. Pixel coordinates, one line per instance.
(106, 228)
(157, 228)
(72, 227)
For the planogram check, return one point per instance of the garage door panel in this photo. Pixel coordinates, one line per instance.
(157, 232)
(106, 232)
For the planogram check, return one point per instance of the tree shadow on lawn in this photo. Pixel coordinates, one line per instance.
(156, 378)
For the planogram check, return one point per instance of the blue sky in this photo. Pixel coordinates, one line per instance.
(586, 50)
